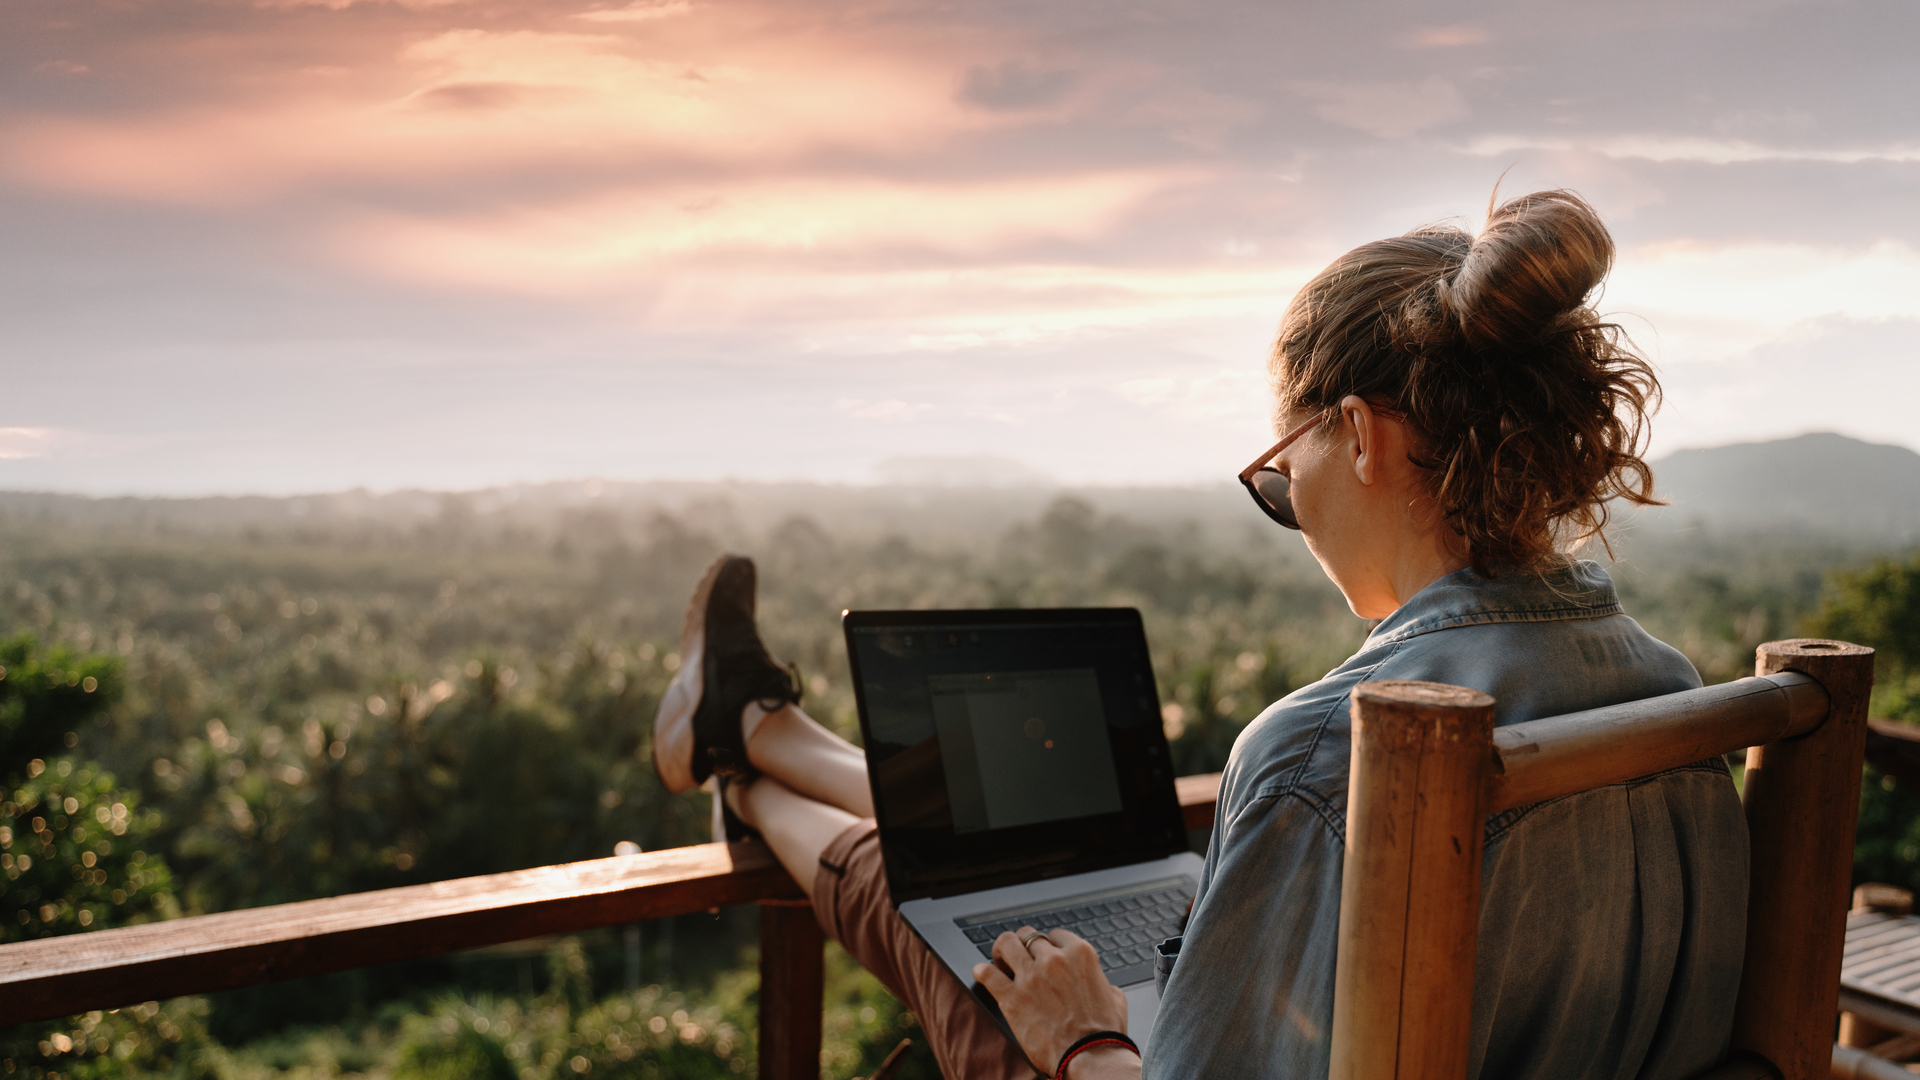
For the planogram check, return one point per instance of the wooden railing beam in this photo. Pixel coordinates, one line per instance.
(106, 969)
(1197, 797)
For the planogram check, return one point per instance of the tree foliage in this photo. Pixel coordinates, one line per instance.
(76, 854)
(46, 694)
(1878, 606)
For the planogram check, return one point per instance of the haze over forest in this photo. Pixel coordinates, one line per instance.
(1821, 484)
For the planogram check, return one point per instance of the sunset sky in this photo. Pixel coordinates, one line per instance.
(304, 245)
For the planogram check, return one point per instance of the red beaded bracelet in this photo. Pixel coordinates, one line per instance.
(1087, 1042)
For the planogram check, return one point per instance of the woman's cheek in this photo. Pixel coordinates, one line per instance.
(1313, 529)
(1309, 507)
(1325, 531)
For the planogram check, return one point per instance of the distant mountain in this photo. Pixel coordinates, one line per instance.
(1821, 483)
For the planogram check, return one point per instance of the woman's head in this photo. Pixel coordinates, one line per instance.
(1527, 412)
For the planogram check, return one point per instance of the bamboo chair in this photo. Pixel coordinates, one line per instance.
(1429, 767)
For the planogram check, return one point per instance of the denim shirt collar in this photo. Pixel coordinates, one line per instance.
(1578, 590)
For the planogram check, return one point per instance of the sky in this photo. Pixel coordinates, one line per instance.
(282, 246)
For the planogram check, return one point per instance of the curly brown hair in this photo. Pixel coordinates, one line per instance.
(1529, 410)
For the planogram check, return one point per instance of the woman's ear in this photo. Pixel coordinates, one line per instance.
(1367, 438)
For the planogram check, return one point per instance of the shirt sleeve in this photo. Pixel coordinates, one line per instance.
(1251, 994)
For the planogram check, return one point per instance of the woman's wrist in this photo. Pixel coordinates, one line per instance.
(1116, 1041)
(1108, 1061)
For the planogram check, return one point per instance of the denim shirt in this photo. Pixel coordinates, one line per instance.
(1612, 922)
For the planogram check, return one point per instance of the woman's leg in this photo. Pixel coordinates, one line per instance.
(796, 827)
(793, 748)
(835, 857)
(813, 805)
(814, 788)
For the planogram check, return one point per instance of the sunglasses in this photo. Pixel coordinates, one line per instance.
(1270, 488)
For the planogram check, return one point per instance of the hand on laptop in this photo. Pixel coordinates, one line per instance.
(1052, 992)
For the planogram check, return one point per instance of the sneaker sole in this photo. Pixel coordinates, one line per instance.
(673, 723)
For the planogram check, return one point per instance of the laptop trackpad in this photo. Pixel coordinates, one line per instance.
(1143, 1003)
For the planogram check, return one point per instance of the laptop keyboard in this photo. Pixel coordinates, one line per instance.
(1124, 925)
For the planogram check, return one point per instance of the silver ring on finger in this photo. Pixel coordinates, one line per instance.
(1026, 940)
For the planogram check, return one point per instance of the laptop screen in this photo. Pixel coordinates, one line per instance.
(1010, 745)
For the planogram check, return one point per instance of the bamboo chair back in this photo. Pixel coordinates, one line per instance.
(1429, 766)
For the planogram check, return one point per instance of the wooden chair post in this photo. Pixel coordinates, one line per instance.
(1410, 891)
(792, 991)
(1802, 798)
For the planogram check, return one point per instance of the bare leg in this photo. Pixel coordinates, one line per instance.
(795, 826)
(807, 759)
(789, 748)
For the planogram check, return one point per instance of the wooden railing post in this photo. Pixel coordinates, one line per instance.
(1857, 1030)
(1410, 892)
(1802, 798)
(792, 988)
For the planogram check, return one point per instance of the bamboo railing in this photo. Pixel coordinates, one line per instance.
(1429, 766)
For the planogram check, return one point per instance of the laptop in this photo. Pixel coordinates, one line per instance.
(1020, 777)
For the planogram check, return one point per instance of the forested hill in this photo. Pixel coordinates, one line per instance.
(1823, 483)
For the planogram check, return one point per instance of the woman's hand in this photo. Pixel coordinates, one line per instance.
(1052, 992)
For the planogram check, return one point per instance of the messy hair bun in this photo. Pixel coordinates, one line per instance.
(1529, 410)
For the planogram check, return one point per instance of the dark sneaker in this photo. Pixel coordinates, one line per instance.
(723, 666)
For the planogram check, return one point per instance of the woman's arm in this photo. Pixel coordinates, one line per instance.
(1251, 995)
(1052, 993)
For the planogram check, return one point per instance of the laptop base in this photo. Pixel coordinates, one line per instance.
(939, 923)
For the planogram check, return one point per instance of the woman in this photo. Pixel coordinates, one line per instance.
(1456, 419)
